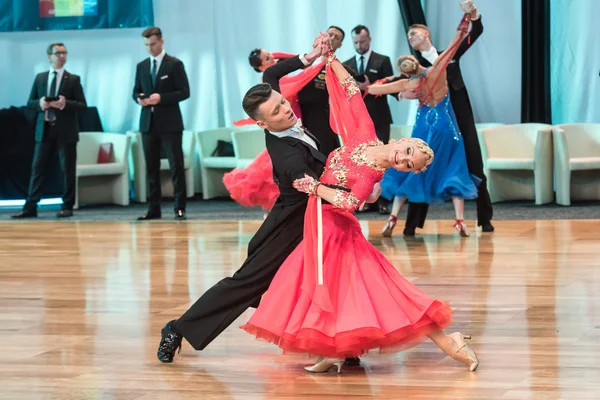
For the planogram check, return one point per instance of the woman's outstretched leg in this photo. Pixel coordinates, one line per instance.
(455, 346)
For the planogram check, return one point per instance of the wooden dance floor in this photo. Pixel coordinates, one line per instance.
(82, 305)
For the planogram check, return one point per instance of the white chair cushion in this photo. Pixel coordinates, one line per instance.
(584, 163)
(220, 162)
(101, 169)
(244, 162)
(511, 163)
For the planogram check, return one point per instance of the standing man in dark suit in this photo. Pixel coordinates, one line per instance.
(56, 95)
(294, 152)
(371, 66)
(160, 84)
(419, 38)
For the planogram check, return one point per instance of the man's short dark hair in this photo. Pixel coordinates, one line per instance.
(358, 28)
(254, 59)
(339, 29)
(50, 48)
(254, 97)
(153, 31)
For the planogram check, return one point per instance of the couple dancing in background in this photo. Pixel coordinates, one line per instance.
(255, 183)
(335, 295)
(419, 39)
(306, 92)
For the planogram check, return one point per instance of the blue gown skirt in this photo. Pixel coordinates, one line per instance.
(447, 176)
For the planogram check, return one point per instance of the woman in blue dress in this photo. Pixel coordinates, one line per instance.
(448, 176)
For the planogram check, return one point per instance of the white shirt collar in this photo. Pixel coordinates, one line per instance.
(366, 55)
(296, 131)
(159, 57)
(59, 71)
(430, 55)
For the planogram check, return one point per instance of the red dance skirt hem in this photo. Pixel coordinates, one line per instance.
(359, 341)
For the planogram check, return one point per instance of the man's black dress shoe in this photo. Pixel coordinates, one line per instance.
(352, 362)
(409, 231)
(149, 215)
(169, 343)
(25, 214)
(487, 227)
(64, 214)
(180, 215)
(383, 206)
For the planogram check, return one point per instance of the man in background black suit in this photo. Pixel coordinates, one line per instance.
(420, 39)
(371, 66)
(56, 95)
(160, 84)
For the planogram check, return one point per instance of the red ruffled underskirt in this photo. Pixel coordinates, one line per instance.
(374, 306)
(253, 186)
(357, 342)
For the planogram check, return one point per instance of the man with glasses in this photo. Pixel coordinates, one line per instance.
(57, 95)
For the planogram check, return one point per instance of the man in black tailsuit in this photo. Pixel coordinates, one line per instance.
(294, 151)
(420, 39)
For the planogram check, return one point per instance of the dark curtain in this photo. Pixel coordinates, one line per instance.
(535, 74)
(17, 135)
(411, 12)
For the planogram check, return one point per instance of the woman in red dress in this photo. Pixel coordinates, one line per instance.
(336, 295)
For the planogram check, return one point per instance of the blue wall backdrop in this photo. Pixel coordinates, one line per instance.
(575, 61)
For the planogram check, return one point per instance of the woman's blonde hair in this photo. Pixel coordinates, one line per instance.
(407, 65)
(425, 149)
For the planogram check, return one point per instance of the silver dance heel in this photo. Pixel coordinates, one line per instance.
(324, 364)
(463, 352)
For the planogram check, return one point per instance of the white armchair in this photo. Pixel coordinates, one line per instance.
(400, 131)
(484, 125)
(480, 127)
(137, 167)
(212, 168)
(577, 162)
(518, 162)
(247, 144)
(102, 183)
